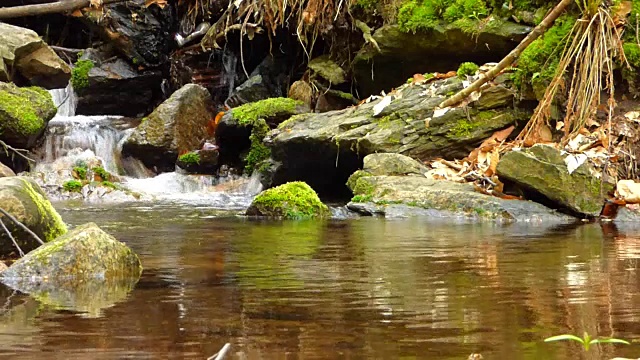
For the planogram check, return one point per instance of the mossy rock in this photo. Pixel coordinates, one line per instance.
(86, 253)
(273, 111)
(6, 171)
(24, 114)
(327, 69)
(542, 170)
(294, 200)
(26, 201)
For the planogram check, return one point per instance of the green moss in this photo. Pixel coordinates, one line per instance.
(55, 226)
(80, 74)
(80, 172)
(190, 158)
(25, 109)
(465, 127)
(102, 173)
(366, 4)
(109, 184)
(292, 120)
(538, 62)
(467, 69)
(362, 187)
(417, 15)
(247, 114)
(353, 179)
(72, 186)
(632, 53)
(258, 152)
(362, 198)
(293, 200)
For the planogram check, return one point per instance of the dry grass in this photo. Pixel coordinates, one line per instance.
(585, 70)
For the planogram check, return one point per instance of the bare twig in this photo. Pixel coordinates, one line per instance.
(12, 238)
(16, 151)
(5, 213)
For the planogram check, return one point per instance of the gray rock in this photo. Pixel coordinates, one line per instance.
(6, 171)
(23, 51)
(392, 164)
(325, 149)
(84, 254)
(175, 127)
(442, 48)
(542, 169)
(24, 114)
(24, 199)
(207, 162)
(113, 82)
(401, 196)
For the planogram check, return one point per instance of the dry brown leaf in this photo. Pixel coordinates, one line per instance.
(160, 3)
(493, 163)
(95, 3)
(77, 13)
(544, 134)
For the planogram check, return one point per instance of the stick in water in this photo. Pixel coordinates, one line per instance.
(222, 353)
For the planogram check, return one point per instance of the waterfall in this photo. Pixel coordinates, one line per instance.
(65, 100)
(97, 141)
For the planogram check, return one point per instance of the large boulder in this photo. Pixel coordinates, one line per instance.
(403, 54)
(392, 164)
(24, 114)
(175, 127)
(542, 171)
(139, 30)
(24, 200)
(84, 254)
(22, 51)
(325, 149)
(103, 83)
(294, 200)
(401, 196)
(268, 80)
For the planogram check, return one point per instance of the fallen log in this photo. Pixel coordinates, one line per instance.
(47, 8)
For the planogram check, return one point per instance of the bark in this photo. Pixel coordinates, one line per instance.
(47, 8)
(511, 57)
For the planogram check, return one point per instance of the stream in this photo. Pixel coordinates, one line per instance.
(344, 288)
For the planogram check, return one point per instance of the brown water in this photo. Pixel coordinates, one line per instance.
(343, 289)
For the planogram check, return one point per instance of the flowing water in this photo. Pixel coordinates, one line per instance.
(349, 288)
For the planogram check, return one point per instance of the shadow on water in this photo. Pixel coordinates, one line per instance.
(358, 288)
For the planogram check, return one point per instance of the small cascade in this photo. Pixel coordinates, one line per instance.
(98, 141)
(65, 100)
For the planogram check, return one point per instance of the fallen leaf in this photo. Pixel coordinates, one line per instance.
(574, 161)
(95, 3)
(439, 112)
(629, 191)
(494, 158)
(379, 107)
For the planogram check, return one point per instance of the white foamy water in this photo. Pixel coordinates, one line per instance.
(98, 140)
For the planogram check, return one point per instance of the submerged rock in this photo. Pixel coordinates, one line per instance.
(24, 199)
(325, 149)
(24, 114)
(84, 254)
(175, 127)
(401, 196)
(294, 200)
(542, 170)
(106, 83)
(23, 51)
(403, 54)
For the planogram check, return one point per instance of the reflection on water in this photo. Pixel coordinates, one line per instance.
(351, 289)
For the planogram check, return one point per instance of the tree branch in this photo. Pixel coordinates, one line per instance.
(511, 57)
(48, 8)
(5, 213)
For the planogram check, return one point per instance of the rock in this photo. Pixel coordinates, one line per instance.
(199, 162)
(392, 164)
(267, 80)
(542, 170)
(176, 126)
(3, 267)
(24, 114)
(294, 200)
(325, 149)
(24, 52)
(5, 171)
(403, 54)
(327, 69)
(236, 128)
(402, 196)
(24, 199)
(141, 33)
(84, 254)
(111, 82)
(330, 100)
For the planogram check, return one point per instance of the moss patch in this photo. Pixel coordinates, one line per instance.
(467, 69)
(353, 179)
(293, 200)
(103, 174)
(72, 186)
(80, 74)
(258, 152)
(23, 111)
(190, 158)
(55, 226)
(247, 114)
